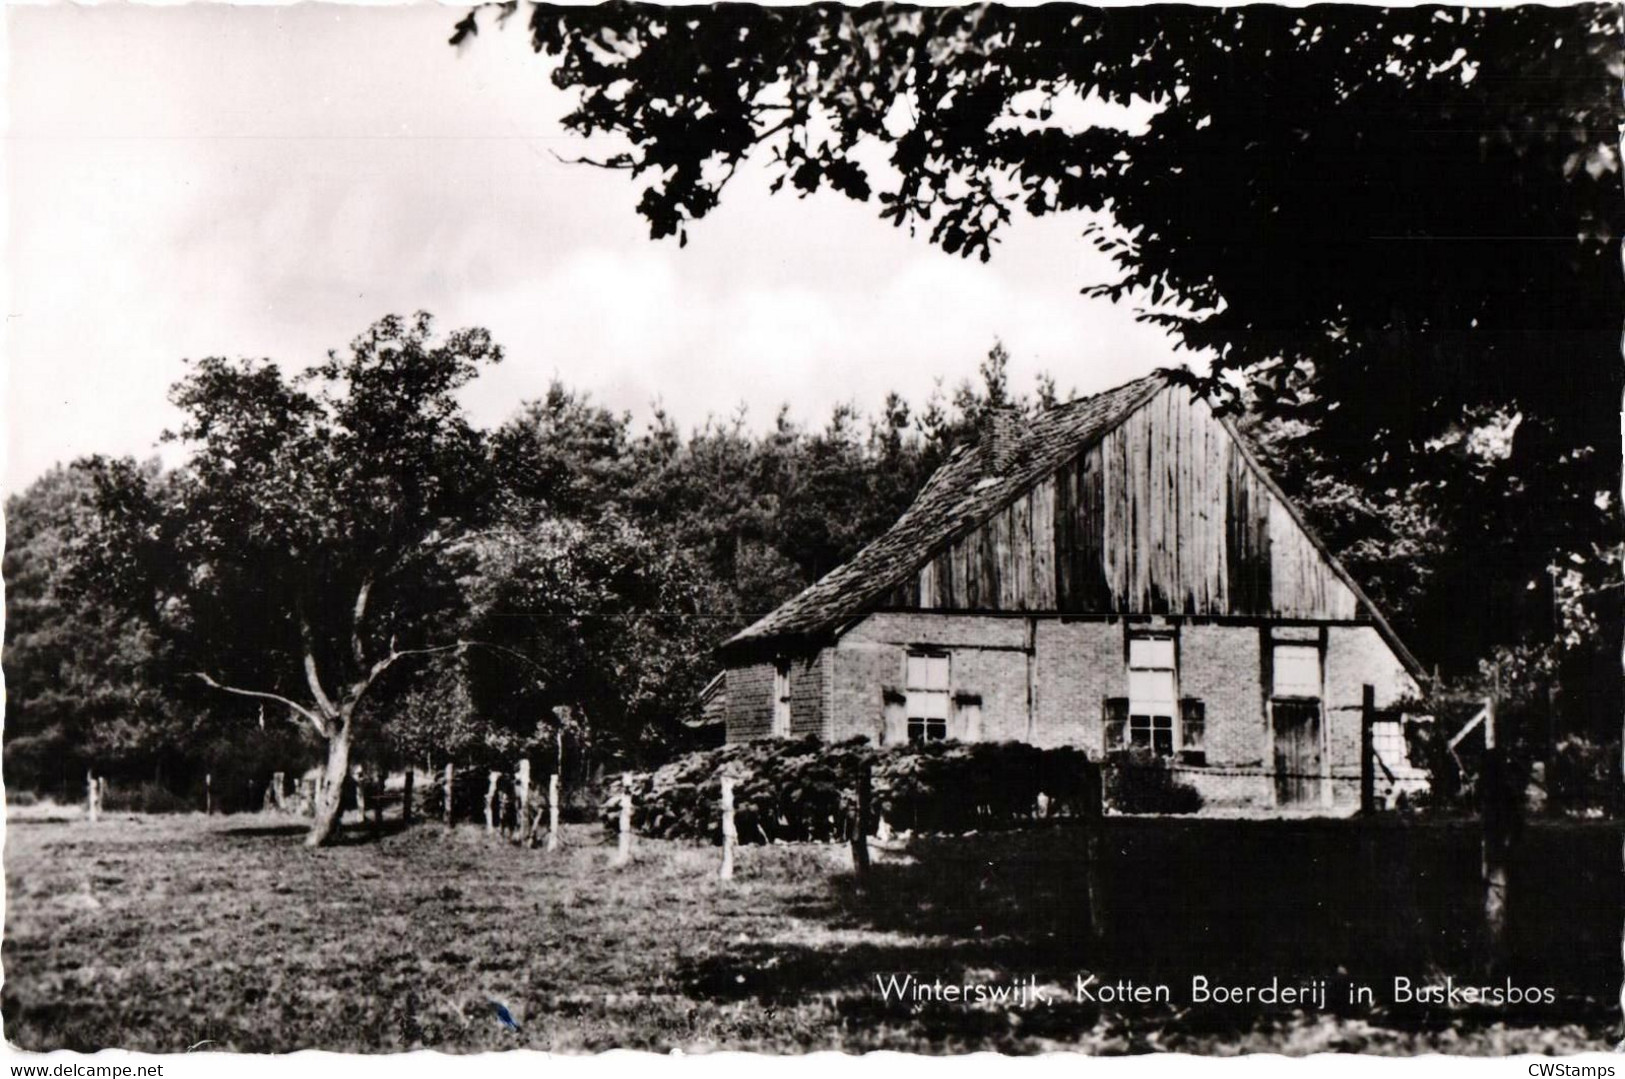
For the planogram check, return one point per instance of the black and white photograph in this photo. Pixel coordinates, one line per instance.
(794, 528)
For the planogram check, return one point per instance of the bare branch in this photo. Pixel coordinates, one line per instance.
(394, 654)
(388, 661)
(361, 598)
(511, 653)
(312, 676)
(316, 721)
(620, 163)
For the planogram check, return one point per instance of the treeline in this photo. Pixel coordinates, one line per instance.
(556, 585)
(595, 567)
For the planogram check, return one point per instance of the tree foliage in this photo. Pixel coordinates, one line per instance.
(91, 686)
(307, 543)
(558, 573)
(1395, 226)
(81, 677)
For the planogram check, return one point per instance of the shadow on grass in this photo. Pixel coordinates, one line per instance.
(348, 835)
(1239, 902)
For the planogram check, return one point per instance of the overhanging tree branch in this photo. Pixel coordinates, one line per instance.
(316, 721)
(388, 661)
(312, 675)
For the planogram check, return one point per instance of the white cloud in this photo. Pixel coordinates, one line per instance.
(248, 181)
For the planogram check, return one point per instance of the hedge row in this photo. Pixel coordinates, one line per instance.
(806, 790)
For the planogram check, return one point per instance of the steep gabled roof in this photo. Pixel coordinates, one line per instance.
(965, 492)
(958, 497)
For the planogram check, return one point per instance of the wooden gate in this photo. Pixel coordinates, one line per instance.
(1297, 752)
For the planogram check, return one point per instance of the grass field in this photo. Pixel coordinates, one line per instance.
(158, 933)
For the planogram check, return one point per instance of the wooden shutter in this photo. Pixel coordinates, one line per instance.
(1193, 730)
(1115, 722)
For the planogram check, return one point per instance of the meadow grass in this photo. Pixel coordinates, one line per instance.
(157, 933)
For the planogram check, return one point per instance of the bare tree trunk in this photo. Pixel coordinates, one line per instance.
(330, 796)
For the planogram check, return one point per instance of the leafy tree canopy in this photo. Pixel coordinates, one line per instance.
(308, 543)
(1396, 224)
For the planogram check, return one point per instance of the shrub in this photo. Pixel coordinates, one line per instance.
(1584, 776)
(806, 790)
(1138, 781)
(469, 785)
(22, 798)
(145, 798)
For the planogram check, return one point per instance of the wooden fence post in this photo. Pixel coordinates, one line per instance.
(406, 793)
(492, 780)
(451, 778)
(1094, 794)
(358, 776)
(1496, 812)
(208, 794)
(623, 853)
(93, 796)
(730, 833)
(522, 783)
(1368, 750)
(860, 833)
(553, 811)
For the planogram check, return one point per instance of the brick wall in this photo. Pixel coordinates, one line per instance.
(807, 711)
(860, 672)
(840, 692)
(750, 698)
(940, 630)
(999, 678)
(1077, 666)
(987, 658)
(1357, 656)
(1221, 666)
(750, 701)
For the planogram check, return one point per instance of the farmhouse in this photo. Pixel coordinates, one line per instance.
(1116, 572)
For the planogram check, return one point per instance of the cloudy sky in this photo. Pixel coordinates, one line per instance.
(215, 180)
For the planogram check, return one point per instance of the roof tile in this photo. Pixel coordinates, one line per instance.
(959, 496)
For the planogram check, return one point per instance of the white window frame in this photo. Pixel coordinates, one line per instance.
(928, 683)
(1296, 656)
(1153, 693)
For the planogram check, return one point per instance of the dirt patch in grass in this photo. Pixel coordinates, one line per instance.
(156, 933)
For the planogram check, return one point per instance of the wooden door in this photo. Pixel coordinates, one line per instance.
(1297, 752)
